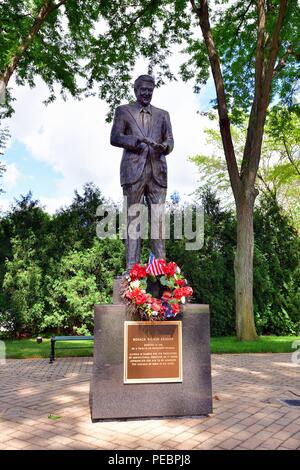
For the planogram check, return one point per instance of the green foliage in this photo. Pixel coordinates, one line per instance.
(71, 293)
(76, 224)
(279, 172)
(72, 51)
(276, 270)
(53, 270)
(210, 270)
(151, 29)
(22, 286)
(235, 33)
(212, 167)
(82, 279)
(283, 140)
(57, 50)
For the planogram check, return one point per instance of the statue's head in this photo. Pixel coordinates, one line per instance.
(143, 89)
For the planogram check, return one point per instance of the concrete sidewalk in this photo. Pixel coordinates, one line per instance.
(45, 406)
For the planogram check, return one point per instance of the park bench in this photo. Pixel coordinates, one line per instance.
(54, 339)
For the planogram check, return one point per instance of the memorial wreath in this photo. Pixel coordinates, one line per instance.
(173, 287)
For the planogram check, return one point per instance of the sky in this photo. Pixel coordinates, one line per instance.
(56, 149)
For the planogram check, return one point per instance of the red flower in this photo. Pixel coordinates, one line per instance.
(140, 298)
(178, 293)
(142, 272)
(180, 282)
(175, 308)
(134, 272)
(156, 304)
(188, 291)
(133, 294)
(166, 295)
(183, 292)
(137, 272)
(170, 268)
(129, 295)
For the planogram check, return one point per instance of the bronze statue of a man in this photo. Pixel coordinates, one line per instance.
(145, 134)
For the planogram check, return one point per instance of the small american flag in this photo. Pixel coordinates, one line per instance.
(154, 267)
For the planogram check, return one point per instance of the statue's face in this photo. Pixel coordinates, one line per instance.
(144, 93)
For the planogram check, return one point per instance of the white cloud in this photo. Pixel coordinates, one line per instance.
(54, 203)
(73, 138)
(10, 176)
(4, 204)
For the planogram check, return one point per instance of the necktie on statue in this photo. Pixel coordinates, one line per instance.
(146, 121)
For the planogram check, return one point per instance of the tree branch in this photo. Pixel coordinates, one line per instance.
(290, 158)
(252, 144)
(47, 8)
(194, 8)
(282, 61)
(242, 19)
(273, 53)
(261, 178)
(263, 80)
(203, 16)
(259, 63)
(124, 29)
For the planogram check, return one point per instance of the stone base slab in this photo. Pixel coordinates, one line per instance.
(112, 399)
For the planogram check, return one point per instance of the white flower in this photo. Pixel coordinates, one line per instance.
(135, 284)
(182, 300)
(178, 270)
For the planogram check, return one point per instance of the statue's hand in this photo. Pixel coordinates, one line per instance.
(141, 147)
(161, 147)
(155, 145)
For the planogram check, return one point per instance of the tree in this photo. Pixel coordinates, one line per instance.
(46, 38)
(25, 221)
(77, 222)
(279, 171)
(252, 50)
(274, 33)
(210, 270)
(276, 269)
(53, 269)
(22, 294)
(283, 178)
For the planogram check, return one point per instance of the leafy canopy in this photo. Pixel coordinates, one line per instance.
(87, 44)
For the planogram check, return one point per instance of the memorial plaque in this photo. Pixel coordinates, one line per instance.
(152, 351)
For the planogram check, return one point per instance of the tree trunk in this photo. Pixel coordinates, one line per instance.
(243, 267)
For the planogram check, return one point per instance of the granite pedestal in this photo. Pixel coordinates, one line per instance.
(112, 399)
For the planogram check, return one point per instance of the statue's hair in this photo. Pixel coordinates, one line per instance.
(143, 78)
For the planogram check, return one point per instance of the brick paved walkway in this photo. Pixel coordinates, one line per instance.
(247, 411)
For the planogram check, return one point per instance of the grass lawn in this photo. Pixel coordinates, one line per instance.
(29, 348)
(26, 348)
(265, 344)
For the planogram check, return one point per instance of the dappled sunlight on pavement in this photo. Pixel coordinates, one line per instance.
(45, 406)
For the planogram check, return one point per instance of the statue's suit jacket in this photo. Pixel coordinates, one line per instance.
(127, 130)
